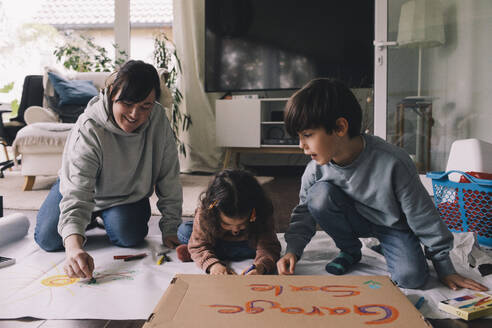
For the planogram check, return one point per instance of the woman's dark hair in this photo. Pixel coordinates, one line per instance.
(135, 80)
(235, 193)
(319, 104)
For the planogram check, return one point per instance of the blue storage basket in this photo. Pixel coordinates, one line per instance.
(464, 206)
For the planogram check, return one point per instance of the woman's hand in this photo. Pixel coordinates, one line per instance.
(171, 241)
(456, 281)
(78, 263)
(218, 268)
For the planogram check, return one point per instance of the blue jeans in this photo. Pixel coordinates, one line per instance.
(335, 212)
(126, 225)
(225, 250)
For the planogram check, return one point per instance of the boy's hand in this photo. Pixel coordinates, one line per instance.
(456, 281)
(287, 264)
(218, 268)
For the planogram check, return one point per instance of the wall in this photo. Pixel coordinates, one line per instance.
(459, 74)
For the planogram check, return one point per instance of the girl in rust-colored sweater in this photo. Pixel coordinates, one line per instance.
(233, 222)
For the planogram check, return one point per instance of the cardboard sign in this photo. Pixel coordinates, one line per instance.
(284, 301)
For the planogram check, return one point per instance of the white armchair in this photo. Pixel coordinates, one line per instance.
(35, 114)
(41, 142)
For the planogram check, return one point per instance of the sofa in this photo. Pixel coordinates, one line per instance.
(42, 141)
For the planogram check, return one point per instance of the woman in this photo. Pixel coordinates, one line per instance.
(120, 149)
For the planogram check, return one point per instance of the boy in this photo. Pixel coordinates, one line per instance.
(358, 185)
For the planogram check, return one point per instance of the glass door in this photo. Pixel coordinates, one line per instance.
(432, 76)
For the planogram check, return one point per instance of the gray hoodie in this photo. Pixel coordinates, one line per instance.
(104, 166)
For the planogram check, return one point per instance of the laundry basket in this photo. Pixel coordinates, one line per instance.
(464, 206)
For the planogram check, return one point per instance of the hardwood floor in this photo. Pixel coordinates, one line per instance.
(84, 323)
(458, 323)
(91, 323)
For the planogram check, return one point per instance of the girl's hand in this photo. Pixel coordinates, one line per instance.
(456, 281)
(254, 272)
(218, 268)
(258, 270)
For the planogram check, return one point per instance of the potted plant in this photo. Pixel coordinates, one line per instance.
(166, 57)
(83, 55)
(14, 104)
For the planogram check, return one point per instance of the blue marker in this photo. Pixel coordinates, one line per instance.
(249, 269)
(419, 303)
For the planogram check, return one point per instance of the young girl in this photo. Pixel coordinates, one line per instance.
(233, 222)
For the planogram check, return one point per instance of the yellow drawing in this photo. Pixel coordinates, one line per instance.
(48, 285)
(59, 281)
(16, 290)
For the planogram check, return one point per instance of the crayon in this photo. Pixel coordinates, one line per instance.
(161, 259)
(122, 257)
(135, 257)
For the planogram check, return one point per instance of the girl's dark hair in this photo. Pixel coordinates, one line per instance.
(136, 80)
(319, 104)
(235, 193)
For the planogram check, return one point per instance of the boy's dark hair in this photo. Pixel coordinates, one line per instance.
(136, 79)
(319, 104)
(235, 193)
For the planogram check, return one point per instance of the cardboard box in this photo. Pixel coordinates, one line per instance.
(284, 301)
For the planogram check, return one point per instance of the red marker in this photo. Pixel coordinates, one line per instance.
(123, 257)
(482, 301)
(135, 257)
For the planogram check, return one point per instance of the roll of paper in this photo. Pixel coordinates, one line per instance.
(13, 227)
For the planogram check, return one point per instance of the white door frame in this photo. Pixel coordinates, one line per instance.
(122, 27)
(380, 67)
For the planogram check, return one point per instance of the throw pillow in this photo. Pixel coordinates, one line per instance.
(72, 92)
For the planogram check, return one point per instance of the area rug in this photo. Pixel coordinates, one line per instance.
(16, 199)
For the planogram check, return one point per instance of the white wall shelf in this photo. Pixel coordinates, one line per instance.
(252, 123)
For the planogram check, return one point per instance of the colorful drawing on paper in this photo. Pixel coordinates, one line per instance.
(59, 280)
(107, 276)
(23, 286)
(101, 277)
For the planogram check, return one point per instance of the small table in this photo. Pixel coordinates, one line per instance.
(422, 106)
(230, 151)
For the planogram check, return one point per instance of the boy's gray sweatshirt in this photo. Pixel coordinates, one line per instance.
(104, 166)
(386, 189)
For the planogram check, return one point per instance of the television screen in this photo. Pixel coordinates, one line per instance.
(283, 44)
